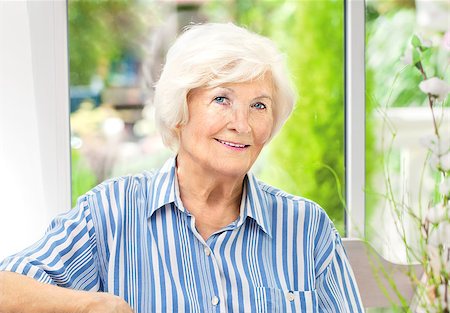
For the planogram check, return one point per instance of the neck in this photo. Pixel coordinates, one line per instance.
(213, 199)
(205, 186)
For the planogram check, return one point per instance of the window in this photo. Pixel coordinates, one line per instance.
(398, 114)
(116, 48)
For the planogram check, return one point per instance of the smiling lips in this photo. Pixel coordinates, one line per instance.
(233, 145)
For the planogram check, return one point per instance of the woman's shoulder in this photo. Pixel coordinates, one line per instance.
(120, 192)
(290, 199)
(139, 182)
(298, 210)
(123, 183)
(298, 207)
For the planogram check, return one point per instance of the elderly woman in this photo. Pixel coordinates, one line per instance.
(202, 234)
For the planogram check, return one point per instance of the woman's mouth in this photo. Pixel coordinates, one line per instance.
(233, 145)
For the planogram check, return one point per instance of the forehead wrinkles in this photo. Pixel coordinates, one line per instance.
(262, 87)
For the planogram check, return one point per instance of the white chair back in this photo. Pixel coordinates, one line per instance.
(373, 274)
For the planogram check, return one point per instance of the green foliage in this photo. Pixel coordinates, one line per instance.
(374, 159)
(312, 141)
(99, 33)
(415, 41)
(389, 36)
(307, 157)
(83, 178)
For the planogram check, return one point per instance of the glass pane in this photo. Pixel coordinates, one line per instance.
(116, 52)
(401, 184)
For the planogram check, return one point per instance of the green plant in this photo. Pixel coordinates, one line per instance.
(100, 32)
(431, 222)
(83, 178)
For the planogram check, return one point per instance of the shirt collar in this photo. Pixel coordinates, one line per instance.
(164, 190)
(256, 204)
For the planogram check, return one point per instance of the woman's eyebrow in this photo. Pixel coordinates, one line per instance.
(264, 96)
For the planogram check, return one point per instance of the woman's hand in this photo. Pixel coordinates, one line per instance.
(101, 302)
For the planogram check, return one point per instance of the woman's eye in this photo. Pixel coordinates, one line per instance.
(259, 106)
(220, 100)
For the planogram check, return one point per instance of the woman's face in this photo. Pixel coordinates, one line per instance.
(228, 126)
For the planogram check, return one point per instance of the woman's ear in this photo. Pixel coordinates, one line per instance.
(178, 128)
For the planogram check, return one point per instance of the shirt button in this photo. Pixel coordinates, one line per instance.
(207, 251)
(215, 300)
(290, 296)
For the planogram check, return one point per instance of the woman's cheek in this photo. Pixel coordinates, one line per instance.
(263, 134)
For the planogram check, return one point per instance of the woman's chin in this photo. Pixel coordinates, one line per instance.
(232, 170)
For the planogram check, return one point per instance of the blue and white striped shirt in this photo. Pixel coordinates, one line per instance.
(131, 236)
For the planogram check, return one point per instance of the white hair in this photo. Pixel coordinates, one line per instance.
(212, 54)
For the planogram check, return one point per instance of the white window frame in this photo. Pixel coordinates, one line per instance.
(355, 111)
(34, 120)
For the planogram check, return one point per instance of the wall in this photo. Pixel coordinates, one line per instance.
(34, 123)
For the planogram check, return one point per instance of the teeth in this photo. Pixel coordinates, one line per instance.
(232, 144)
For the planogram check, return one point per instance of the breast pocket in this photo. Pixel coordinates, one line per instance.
(277, 300)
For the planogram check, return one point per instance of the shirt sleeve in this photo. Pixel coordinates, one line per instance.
(335, 284)
(67, 254)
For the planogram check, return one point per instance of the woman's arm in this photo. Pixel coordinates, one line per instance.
(60, 272)
(336, 285)
(22, 294)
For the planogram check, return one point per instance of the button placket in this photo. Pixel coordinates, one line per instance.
(217, 297)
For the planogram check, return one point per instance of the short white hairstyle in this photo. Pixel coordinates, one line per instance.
(208, 55)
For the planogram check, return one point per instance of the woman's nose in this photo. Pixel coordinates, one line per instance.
(239, 120)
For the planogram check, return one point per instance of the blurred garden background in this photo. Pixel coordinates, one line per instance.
(116, 52)
(117, 49)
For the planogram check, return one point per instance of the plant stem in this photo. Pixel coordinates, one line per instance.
(430, 99)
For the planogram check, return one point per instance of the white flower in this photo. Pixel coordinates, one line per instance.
(432, 15)
(444, 186)
(437, 145)
(407, 58)
(444, 162)
(438, 261)
(437, 213)
(441, 162)
(427, 43)
(440, 151)
(446, 41)
(434, 162)
(436, 87)
(430, 142)
(440, 235)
